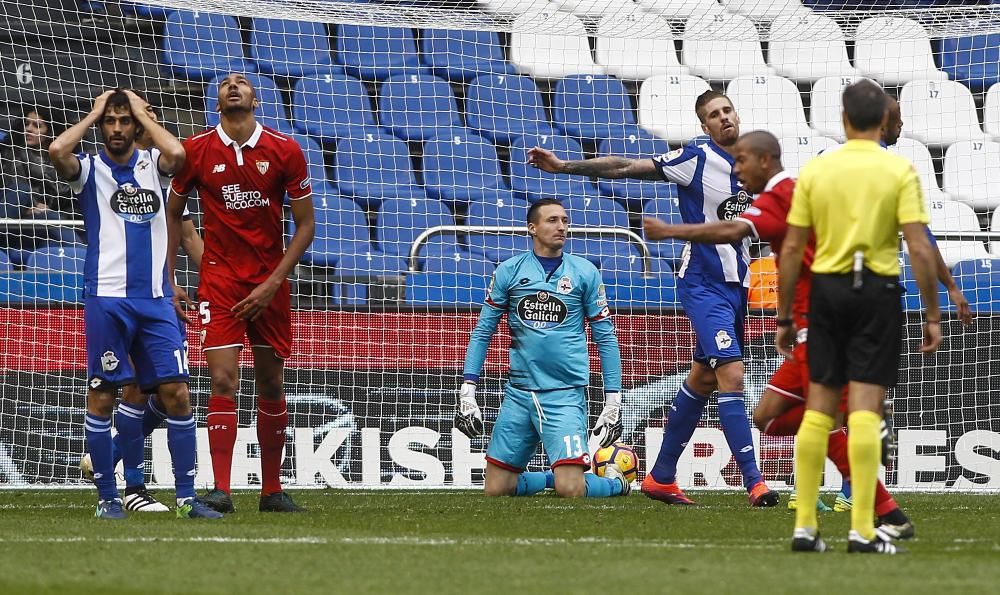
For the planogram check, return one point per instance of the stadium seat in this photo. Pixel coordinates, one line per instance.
(587, 211)
(374, 53)
(979, 280)
(501, 212)
(58, 258)
(806, 47)
(765, 9)
(359, 273)
(769, 103)
(991, 112)
(797, 150)
(5, 264)
(341, 228)
(973, 60)
(972, 173)
(503, 107)
(550, 44)
(665, 208)
(588, 8)
(636, 45)
(634, 193)
(461, 167)
(592, 107)
(271, 112)
(948, 215)
(201, 45)
(939, 113)
(290, 48)
(142, 9)
(719, 47)
(666, 106)
(868, 5)
(508, 6)
(681, 10)
(457, 260)
(415, 107)
(826, 105)
(321, 182)
(618, 268)
(463, 55)
(894, 51)
(995, 227)
(401, 220)
(58, 78)
(375, 166)
(911, 292)
(921, 159)
(532, 184)
(331, 105)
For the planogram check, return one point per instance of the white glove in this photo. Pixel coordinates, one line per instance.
(468, 418)
(608, 428)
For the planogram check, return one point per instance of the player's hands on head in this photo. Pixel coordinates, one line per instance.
(138, 104)
(182, 303)
(544, 160)
(784, 340)
(961, 305)
(100, 102)
(468, 418)
(655, 229)
(608, 428)
(932, 337)
(251, 307)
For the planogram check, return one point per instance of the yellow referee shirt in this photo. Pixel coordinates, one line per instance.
(856, 198)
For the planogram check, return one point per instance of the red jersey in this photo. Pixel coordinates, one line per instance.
(767, 218)
(242, 190)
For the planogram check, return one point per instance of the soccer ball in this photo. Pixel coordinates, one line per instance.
(620, 455)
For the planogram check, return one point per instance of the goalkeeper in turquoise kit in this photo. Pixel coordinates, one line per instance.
(547, 296)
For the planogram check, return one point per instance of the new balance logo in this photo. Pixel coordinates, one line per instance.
(191, 473)
(219, 168)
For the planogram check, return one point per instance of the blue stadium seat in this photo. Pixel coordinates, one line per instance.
(446, 288)
(141, 9)
(272, 105)
(461, 167)
(591, 211)
(592, 107)
(5, 264)
(65, 259)
(972, 60)
(377, 53)
(532, 184)
(457, 260)
(318, 174)
(201, 45)
(500, 211)
(635, 193)
(341, 228)
(359, 271)
(331, 105)
(401, 220)
(979, 280)
(375, 166)
(463, 55)
(415, 107)
(617, 267)
(665, 208)
(290, 48)
(503, 107)
(911, 292)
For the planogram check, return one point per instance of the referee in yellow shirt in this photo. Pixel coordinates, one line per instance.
(855, 200)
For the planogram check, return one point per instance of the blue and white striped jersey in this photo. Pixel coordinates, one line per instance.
(708, 191)
(126, 225)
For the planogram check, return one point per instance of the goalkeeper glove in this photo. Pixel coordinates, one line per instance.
(608, 428)
(468, 418)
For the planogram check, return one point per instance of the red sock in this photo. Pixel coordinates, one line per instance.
(884, 502)
(272, 420)
(837, 452)
(222, 422)
(786, 424)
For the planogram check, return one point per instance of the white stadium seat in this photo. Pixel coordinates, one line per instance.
(764, 9)
(636, 45)
(938, 113)
(551, 44)
(588, 8)
(666, 106)
(991, 111)
(508, 6)
(995, 226)
(948, 215)
(797, 150)
(768, 103)
(972, 173)
(920, 157)
(722, 46)
(825, 105)
(681, 9)
(895, 51)
(808, 46)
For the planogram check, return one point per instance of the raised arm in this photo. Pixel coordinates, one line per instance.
(171, 149)
(67, 165)
(716, 232)
(611, 167)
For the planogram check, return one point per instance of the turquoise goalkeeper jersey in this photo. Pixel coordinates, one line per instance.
(546, 315)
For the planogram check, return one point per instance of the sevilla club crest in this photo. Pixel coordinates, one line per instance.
(262, 166)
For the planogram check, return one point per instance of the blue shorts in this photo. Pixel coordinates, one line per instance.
(556, 418)
(716, 312)
(145, 329)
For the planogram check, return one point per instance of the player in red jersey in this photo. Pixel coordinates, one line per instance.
(242, 172)
(779, 412)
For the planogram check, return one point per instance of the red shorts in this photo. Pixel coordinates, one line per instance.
(791, 379)
(220, 328)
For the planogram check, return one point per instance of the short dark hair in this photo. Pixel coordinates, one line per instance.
(538, 204)
(705, 97)
(118, 99)
(762, 142)
(142, 95)
(864, 105)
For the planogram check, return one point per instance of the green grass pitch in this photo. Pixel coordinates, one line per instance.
(462, 542)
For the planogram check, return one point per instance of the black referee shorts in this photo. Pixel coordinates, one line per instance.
(855, 334)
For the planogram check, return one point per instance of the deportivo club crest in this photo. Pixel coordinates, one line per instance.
(565, 285)
(109, 361)
(262, 166)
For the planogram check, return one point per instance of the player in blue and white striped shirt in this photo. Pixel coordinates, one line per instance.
(711, 285)
(128, 305)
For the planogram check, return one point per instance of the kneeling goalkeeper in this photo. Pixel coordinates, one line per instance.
(547, 296)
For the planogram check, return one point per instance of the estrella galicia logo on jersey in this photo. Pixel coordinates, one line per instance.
(565, 285)
(109, 361)
(733, 207)
(542, 310)
(135, 205)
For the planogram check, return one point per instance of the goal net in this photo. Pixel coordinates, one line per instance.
(416, 118)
